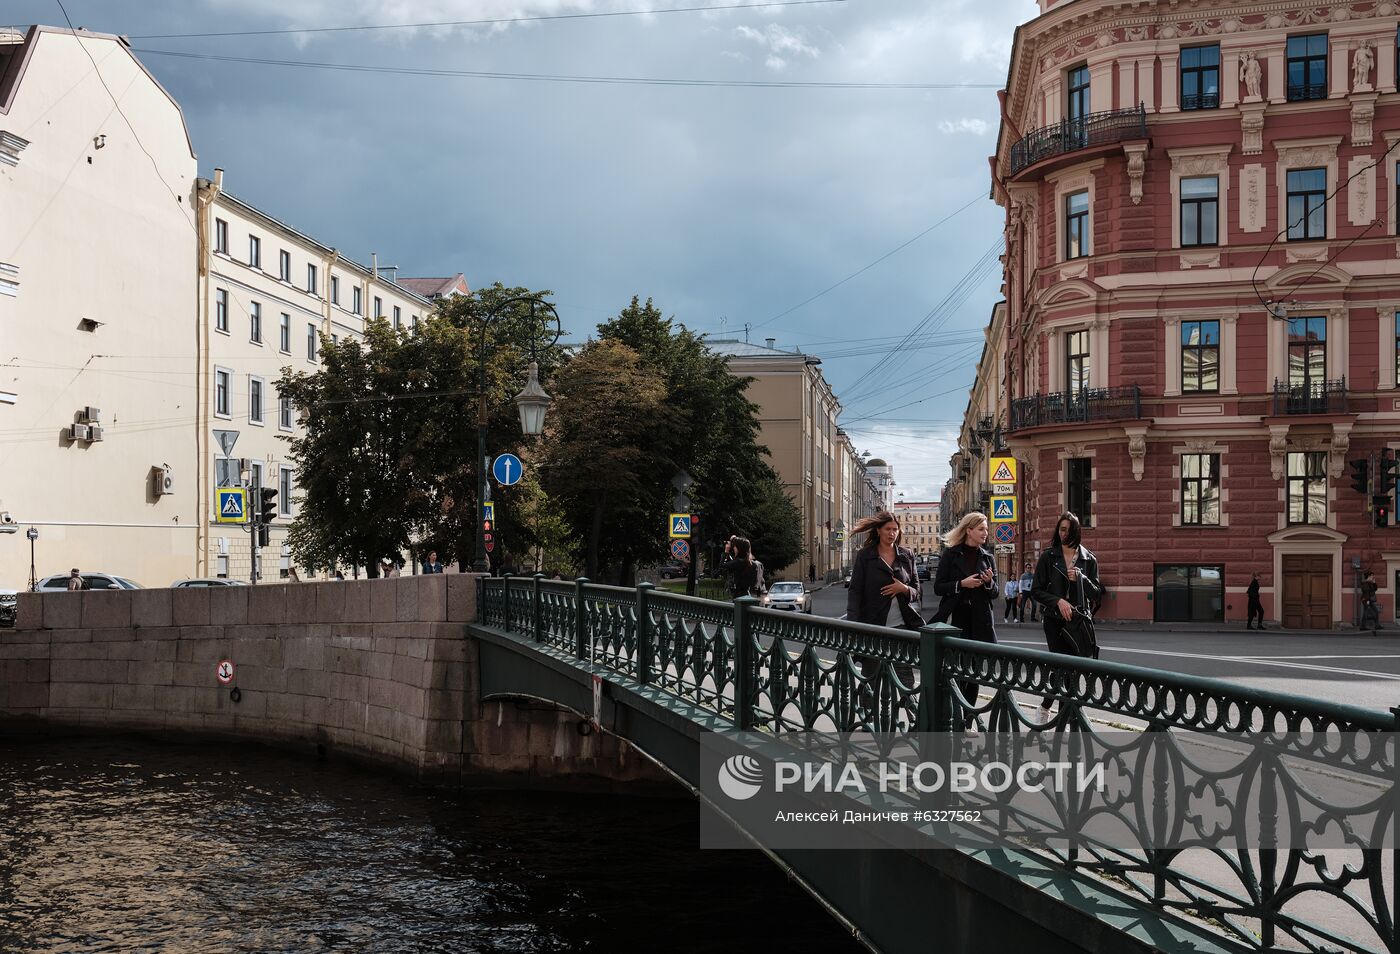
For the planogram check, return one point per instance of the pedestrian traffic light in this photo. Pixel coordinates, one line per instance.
(1360, 475)
(267, 506)
(1385, 471)
(1380, 510)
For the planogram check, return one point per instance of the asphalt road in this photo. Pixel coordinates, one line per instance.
(1358, 670)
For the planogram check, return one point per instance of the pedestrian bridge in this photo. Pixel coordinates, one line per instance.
(660, 670)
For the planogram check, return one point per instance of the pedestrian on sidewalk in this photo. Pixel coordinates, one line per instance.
(1066, 569)
(745, 573)
(1256, 608)
(967, 583)
(1370, 609)
(431, 564)
(884, 589)
(1027, 580)
(75, 582)
(1012, 592)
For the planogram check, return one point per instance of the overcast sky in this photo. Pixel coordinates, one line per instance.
(728, 206)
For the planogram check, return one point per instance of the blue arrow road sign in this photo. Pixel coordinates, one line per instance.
(507, 470)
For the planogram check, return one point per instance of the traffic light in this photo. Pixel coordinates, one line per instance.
(1385, 471)
(1380, 510)
(267, 505)
(1360, 475)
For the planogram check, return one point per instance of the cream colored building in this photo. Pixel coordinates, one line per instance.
(267, 295)
(98, 387)
(918, 521)
(855, 489)
(797, 422)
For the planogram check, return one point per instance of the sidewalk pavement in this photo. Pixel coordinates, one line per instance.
(1228, 628)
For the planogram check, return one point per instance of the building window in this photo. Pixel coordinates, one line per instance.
(1307, 204)
(415, 324)
(255, 400)
(1079, 490)
(255, 478)
(1307, 67)
(355, 305)
(221, 310)
(1077, 83)
(1200, 356)
(1188, 594)
(221, 236)
(255, 322)
(221, 566)
(284, 265)
(254, 252)
(378, 307)
(284, 492)
(398, 318)
(1077, 225)
(310, 342)
(311, 278)
(1077, 360)
(1397, 350)
(335, 289)
(1200, 77)
(1200, 210)
(1307, 487)
(284, 334)
(221, 395)
(1200, 490)
(284, 413)
(1307, 354)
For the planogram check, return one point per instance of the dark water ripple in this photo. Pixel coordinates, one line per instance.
(130, 845)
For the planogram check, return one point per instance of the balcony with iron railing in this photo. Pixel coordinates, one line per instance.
(1311, 397)
(1071, 135)
(1077, 407)
(1298, 92)
(1191, 101)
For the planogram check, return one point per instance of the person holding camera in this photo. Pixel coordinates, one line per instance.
(744, 572)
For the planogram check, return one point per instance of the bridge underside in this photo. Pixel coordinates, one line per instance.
(895, 900)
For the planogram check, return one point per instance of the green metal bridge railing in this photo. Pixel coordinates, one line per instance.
(771, 671)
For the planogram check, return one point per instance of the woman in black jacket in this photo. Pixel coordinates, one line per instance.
(884, 580)
(1066, 567)
(967, 583)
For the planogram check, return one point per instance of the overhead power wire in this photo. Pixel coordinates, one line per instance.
(488, 22)
(899, 248)
(563, 78)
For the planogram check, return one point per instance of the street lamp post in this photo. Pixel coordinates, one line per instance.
(532, 401)
(33, 534)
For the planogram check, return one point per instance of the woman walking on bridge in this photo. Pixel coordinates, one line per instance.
(1067, 573)
(967, 583)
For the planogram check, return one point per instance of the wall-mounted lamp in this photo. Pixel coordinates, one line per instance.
(99, 140)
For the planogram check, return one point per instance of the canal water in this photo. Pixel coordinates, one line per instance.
(132, 845)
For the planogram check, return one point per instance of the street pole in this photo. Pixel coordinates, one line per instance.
(33, 534)
(253, 547)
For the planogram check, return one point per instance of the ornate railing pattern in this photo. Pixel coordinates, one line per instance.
(1071, 135)
(1313, 397)
(1077, 407)
(770, 671)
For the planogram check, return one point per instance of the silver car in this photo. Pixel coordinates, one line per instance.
(208, 581)
(91, 581)
(789, 595)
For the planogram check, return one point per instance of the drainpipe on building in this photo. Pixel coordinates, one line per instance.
(205, 194)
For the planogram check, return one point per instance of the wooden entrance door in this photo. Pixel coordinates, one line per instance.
(1307, 592)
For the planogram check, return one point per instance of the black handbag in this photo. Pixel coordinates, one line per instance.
(1079, 628)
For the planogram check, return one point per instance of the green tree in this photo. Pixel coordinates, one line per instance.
(598, 461)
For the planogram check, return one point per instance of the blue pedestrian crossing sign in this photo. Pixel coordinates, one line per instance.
(1003, 510)
(232, 505)
(680, 526)
(507, 470)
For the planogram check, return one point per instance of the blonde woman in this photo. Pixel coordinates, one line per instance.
(967, 583)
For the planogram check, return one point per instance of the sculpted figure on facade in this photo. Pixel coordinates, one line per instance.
(1251, 73)
(1361, 67)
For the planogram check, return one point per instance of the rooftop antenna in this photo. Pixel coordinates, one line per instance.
(722, 321)
(747, 326)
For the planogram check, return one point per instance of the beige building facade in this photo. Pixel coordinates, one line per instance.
(797, 423)
(269, 295)
(918, 521)
(98, 391)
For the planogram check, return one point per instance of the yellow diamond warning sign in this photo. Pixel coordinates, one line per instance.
(1001, 470)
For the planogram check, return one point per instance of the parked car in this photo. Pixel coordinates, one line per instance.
(91, 581)
(671, 571)
(925, 571)
(208, 581)
(788, 595)
(9, 602)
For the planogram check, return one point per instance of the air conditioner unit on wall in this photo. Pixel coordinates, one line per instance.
(92, 414)
(94, 432)
(165, 480)
(79, 432)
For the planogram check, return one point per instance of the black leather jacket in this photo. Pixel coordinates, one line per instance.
(955, 565)
(869, 575)
(1052, 583)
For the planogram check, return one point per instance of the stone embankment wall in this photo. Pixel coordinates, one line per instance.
(379, 670)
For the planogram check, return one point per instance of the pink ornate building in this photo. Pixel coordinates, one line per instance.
(1203, 291)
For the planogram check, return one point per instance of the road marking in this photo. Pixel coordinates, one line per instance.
(1244, 659)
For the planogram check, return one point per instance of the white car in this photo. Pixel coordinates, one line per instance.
(789, 596)
(91, 581)
(208, 581)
